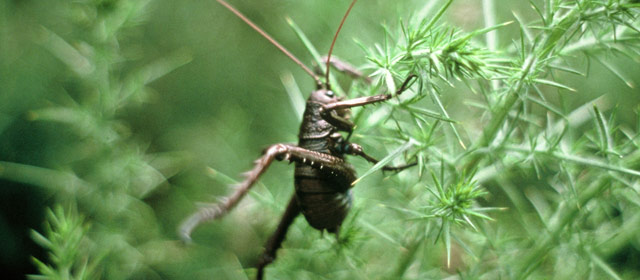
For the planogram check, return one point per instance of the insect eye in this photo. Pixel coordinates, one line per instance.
(329, 93)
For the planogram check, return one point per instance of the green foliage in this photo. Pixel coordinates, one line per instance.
(523, 122)
(97, 163)
(517, 138)
(66, 240)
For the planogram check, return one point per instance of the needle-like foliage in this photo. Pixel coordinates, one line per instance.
(523, 123)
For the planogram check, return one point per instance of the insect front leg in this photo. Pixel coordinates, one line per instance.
(329, 111)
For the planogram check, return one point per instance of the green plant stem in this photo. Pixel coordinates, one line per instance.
(575, 159)
(43, 177)
(568, 212)
(548, 43)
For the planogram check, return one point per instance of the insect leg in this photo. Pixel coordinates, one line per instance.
(328, 111)
(346, 68)
(275, 241)
(339, 122)
(361, 101)
(277, 152)
(355, 149)
(216, 211)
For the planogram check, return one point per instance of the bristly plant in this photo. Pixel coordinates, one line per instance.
(69, 253)
(97, 164)
(527, 158)
(523, 131)
(520, 140)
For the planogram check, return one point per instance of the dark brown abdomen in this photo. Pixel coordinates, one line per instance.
(324, 194)
(323, 203)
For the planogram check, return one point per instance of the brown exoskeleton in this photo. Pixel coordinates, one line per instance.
(323, 178)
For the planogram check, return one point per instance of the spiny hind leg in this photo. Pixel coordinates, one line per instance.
(279, 152)
(321, 161)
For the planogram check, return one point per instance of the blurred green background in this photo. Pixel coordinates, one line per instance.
(169, 88)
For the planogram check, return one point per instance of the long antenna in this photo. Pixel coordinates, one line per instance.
(274, 42)
(335, 37)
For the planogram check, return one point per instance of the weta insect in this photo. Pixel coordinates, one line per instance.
(323, 179)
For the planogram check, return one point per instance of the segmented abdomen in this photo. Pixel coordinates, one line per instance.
(324, 198)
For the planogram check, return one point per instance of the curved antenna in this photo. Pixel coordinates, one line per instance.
(274, 42)
(335, 37)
